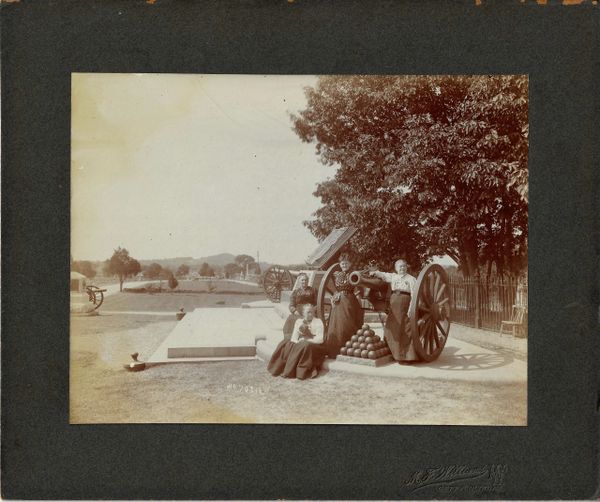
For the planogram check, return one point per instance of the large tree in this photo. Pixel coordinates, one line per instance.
(426, 165)
(122, 265)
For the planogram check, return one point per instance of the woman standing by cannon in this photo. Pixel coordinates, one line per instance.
(303, 295)
(346, 311)
(403, 288)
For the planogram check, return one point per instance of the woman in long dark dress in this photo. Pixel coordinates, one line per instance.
(346, 315)
(395, 332)
(303, 295)
(302, 355)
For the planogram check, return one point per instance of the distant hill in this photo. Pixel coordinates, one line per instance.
(216, 260)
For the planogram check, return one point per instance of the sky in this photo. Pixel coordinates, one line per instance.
(191, 165)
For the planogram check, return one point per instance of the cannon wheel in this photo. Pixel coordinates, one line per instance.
(276, 280)
(430, 313)
(326, 291)
(95, 296)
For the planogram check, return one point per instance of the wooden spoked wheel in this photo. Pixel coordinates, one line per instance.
(276, 280)
(430, 313)
(95, 296)
(326, 292)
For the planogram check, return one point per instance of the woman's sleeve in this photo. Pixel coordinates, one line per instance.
(385, 276)
(413, 286)
(293, 301)
(317, 331)
(334, 282)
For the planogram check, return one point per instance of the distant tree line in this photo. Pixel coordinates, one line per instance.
(242, 264)
(122, 265)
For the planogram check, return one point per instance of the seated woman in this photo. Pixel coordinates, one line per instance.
(302, 295)
(302, 355)
(403, 285)
(346, 315)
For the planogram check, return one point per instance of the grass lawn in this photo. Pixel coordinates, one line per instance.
(189, 295)
(221, 287)
(102, 391)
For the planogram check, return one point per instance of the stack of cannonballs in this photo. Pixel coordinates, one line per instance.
(365, 344)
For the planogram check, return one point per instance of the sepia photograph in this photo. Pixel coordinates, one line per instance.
(299, 249)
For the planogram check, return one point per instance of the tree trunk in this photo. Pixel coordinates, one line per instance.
(121, 280)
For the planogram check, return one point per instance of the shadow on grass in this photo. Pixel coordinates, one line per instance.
(470, 362)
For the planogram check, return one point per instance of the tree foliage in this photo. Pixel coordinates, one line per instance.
(165, 273)
(231, 269)
(173, 282)
(153, 271)
(122, 265)
(183, 270)
(84, 267)
(244, 259)
(206, 270)
(426, 166)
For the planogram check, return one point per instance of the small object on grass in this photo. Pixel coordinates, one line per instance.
(135, 365)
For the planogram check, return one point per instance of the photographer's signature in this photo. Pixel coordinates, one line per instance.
(246, 389)
(460, 478)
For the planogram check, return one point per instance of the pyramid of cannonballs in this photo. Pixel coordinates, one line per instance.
(365, 344)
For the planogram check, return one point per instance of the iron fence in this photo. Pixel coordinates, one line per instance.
(483, 302)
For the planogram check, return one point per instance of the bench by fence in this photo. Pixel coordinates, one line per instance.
(483, 302)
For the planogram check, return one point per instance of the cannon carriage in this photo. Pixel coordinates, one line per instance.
(429, 310)
(85, 298)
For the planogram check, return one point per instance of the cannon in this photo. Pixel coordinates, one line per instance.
(84, 298)
(278, 279)
(275, 280)
(95, 296)
(429, 310)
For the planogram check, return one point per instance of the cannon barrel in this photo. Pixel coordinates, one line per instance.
(360, 278)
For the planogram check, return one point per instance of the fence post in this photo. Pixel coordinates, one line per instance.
(477, 303)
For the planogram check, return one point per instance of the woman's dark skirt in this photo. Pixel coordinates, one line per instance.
(395, 330)
(297, 360)
(344, 321)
